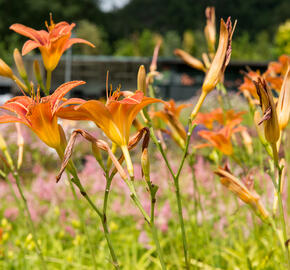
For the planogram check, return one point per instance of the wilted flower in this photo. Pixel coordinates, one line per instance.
(247, 195)
(270, 119)
(52, 43)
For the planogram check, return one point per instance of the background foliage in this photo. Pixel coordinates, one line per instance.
(131, 31)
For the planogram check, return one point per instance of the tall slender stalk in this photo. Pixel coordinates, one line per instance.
(175, 178)
(81, 217)
(282, 216)
(196, 191)
(77, 182)
(29, 219)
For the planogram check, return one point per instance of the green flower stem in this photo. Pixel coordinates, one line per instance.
(14, 195)
(77, 182)
(153, 190)
(107, 191)
(196, 191)
(81, 217)
(175, 178)
(282, 216)
(30, 222)
(136, 200)
(157, 244)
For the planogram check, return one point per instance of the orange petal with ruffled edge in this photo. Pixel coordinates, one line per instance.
(31, 33)
(29, 45)
(10, 119)
(61, 91)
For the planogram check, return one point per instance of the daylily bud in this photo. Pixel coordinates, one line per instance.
(190, 60)
(97, 154)
(141, 79)
(283, 106)
(153, 66)
(3, 148)
(218, 65)
(145, 163)
(210, 29)
(270, 119)
(37, 73)
(259, 128)
(205, 59)
(3, 145)
(128, 160)
(221, 59)
(19, 64)
(239, 188)
(5, 70)
(247, 140)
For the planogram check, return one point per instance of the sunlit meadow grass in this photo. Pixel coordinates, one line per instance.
(222, 232)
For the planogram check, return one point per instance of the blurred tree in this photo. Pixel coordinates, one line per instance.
(125, 47)
(282, 39)
(96, 35)
(166, 15)
(33, 13)
(158, 16)
(258, 49)
(188, 42)
(171, 42)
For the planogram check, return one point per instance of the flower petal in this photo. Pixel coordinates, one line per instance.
(31, 33)
(10, 119)
(29, 45)
(72, 41)
(61, 91)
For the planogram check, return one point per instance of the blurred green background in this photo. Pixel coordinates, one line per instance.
(131, 27)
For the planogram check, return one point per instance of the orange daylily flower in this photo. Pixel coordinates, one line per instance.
(280, 67)
(207, 119)
(52, 43)
(115, 118)
(40, 114)
(229, 117)
(276, 72)
(170, 115)
(220, 139)
(249, 85)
